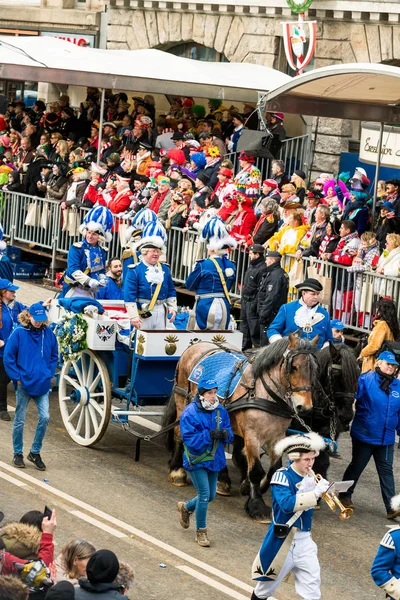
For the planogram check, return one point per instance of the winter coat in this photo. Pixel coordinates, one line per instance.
(377, 415)
(243, 224)
(24, 343)
(21, 540)
(45, 552)
(9, 318)
(317, 235)
(287, 239)
(391, 267)
(252, 279)
(56, 188)
(379, 334)
(264, 229)
(212, 172)
(97, 591)
(195, 425)
(386, 226)
(177, 217)
(358, 213)
(272, 293)
(78, 195)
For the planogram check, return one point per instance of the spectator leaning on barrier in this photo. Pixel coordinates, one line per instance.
(387, 223)
(267, 224)
(32, 378)
(389, 264)
(316, 234)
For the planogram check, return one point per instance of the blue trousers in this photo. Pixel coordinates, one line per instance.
(383, 457)
(205, 483)
(22, 401)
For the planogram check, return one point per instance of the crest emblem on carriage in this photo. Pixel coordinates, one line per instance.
(105, 332)
(197, 373)
(219, 339)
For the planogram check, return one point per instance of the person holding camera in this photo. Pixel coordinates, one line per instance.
(205, 429)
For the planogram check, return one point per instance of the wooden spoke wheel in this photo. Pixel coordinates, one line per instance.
(85, 398)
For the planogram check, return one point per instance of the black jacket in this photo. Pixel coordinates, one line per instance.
(265, 231)
(252, 279)
(212, 172)
(272, 293)
(315, 242)
(386, 226)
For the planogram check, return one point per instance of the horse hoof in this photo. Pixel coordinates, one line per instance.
(258, 510)
(178, 478)
(223, 489)
(245, 488)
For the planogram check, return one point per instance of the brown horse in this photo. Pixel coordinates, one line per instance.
(275, 385)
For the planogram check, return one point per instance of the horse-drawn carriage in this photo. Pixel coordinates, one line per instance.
(114, 379)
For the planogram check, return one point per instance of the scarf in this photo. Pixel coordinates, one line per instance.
(386, 380)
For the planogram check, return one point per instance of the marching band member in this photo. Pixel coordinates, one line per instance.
(212, 278)
(149, 291)
(288, 545)
(305, 315)
(133, 234)
(385, 569)
(87, 259)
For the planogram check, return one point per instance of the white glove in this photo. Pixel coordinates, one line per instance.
(102, 282)
(94, 284)
(321, 487)
(308, 484)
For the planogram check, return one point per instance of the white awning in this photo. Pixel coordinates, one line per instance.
(354, 91)
(51, 60)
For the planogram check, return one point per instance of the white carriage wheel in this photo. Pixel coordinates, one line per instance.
(85, 398)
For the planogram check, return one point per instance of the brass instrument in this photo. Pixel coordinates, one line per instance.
(332, 501)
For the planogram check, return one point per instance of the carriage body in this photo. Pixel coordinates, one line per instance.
(119, 381)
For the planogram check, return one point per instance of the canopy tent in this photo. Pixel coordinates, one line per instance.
(358, 91)
(355, 91)
(51, 60)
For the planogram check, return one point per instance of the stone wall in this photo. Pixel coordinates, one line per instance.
(257, 39)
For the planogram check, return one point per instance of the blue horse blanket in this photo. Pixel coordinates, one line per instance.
(221, 367)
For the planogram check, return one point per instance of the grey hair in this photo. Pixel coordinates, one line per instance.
(324, 210)
(271, 206)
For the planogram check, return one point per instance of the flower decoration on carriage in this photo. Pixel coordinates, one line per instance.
(100, 219)
(141, 218)
(71, 335)
(153, 234)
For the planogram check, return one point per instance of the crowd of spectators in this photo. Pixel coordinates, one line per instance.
(29, 568)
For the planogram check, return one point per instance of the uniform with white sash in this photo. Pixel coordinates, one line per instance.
(150, 289)
(296, 316)
(293, 502)
(212, 279)
(385, 569)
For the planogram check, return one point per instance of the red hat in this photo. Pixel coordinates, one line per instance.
(226, 172)
(310, 194)
(279, 116)
(247, 157)
(270, 183)
(177, 155)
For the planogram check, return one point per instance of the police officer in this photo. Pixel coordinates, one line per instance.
(249, 323)
(272, 293)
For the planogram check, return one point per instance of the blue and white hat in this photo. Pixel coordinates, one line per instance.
(145, 215)
(100, 219)
(3, 245)
(388, 357)
(153, 236)
(217, 235)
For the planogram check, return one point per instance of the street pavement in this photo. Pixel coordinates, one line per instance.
(102, 495)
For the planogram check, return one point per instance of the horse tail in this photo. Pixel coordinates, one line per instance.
(169, 417)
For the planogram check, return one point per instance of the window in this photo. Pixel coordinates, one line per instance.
(197, 52)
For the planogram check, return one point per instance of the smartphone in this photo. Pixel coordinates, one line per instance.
(47, 512)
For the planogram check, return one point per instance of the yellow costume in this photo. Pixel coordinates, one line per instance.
(287, 238)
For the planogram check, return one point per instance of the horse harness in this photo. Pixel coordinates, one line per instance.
(278, 405)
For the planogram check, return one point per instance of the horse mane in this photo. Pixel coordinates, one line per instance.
(271, 355)
(348, 361)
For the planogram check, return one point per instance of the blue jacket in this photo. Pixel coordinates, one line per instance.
(6, 269)
(136, 285)
(204, 279)
(31, 357)
(91, 260)
(387, 560)
(195, 425)
(377, 415)
(284, 323)
(111, 291)
(9, 317)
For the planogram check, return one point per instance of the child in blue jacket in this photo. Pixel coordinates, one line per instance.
(205, 429)
(385, 569)
(30, 360)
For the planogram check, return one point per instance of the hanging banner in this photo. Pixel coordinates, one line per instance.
(295, 37)
(369, 142)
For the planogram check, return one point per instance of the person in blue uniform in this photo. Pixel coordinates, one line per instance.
(9, 311)
(133, 234)
(385, 568)
(6, 270)
(113, 289)
(87, 259)
(149, 292)
(212, 278)
(337, 331)
(205, 429)
(288, 545)
(305, 316)
(374, 427)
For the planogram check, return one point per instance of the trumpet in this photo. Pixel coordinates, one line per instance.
(332, 501)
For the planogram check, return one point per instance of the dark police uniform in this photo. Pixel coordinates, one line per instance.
(272, 293)
(249, 323)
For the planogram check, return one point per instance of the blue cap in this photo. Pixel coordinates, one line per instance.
(337, 324)
(388, 205)
(38, 312)
(206, 384)
(389, 357)
(7, 285)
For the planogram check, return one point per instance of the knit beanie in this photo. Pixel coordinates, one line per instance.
(62, 591)
(102, 567)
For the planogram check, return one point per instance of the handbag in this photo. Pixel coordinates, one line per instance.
(367, 294)
(296, 273)
(44, 219)
(74, 222)
(33, 215)
(122, 227)
(65, 213)
(321, 275)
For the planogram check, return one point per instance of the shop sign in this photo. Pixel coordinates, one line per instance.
(75, 38)
(390, 156)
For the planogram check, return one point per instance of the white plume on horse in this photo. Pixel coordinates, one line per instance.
(308, 442)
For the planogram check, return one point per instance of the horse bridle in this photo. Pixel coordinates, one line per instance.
(330, 402)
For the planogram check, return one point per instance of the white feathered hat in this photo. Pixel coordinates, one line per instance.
(295, 445)
(143, 216)
(216, 234)
(99, 218)
(153, 236)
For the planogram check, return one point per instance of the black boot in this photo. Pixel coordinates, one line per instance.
(254, 597)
